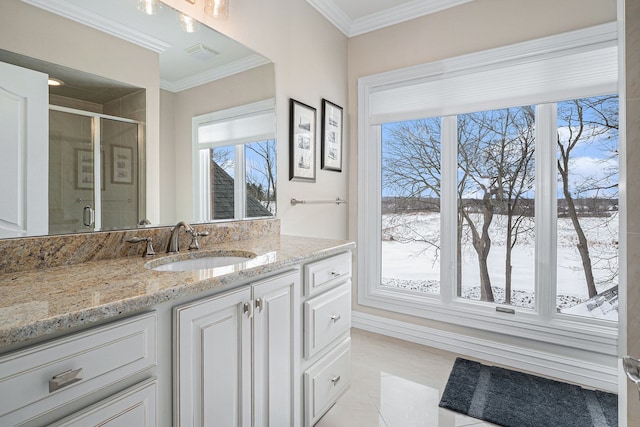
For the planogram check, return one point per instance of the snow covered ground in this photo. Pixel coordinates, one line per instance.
(416, 265)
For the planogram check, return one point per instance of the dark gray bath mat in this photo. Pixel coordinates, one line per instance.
(515, 399)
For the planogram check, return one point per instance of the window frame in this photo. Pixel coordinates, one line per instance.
(543, 323)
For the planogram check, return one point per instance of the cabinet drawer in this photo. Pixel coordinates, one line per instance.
(47, 376)
(322, 275)
(326, 317)
(326, 381)
(135, 406)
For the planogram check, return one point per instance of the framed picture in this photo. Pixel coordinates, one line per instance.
(302, 142)
(331, 136)
(122, 164)
(84, 170)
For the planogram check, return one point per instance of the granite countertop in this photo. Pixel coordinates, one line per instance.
(40, 302)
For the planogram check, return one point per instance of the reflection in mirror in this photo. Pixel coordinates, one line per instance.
(235, 163)
(130, 85)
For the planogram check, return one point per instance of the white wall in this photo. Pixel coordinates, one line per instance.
(310, 57)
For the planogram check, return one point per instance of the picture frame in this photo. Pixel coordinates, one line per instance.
(85, 171)
(302, 142)
(331, 151)
(121, 165)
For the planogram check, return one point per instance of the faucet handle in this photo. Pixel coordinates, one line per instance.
(194, 239)
(149, 249)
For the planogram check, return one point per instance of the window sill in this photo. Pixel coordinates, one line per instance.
(597, 336)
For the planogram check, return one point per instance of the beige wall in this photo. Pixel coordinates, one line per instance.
(250, 86)
(33, 32)
(631, 345)
(310, 57)
(472, 27)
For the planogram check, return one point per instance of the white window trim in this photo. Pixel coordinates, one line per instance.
(202, 192)
(547, 326)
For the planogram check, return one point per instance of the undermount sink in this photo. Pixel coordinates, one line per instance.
(199, 261)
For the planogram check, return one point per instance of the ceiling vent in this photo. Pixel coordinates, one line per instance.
(201, 52)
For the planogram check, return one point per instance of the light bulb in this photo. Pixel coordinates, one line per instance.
(219, 9)
(188, 24)
(150, 7)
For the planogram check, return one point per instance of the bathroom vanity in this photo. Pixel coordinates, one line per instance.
(263, 342)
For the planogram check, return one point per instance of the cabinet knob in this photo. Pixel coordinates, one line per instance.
(335, 379)
(335, 317)
(65, 379)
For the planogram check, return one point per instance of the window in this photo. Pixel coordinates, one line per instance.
(495, 235)
(495, 198)
(410, 207)
(587, 236)
(481, 220)
(235, 163)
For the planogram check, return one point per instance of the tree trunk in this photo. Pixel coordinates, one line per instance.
(583, 245)
(483, 247)
(507, 260)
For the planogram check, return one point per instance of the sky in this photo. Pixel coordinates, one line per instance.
(595, 158)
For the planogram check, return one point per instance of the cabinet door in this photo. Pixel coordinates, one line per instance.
(275, 342)
(213, 361)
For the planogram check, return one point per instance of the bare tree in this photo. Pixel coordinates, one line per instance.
(265, 170)
(586, 121)
(495, 158)
(411, 171)
(477, 182)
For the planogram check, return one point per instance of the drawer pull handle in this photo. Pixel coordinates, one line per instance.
(247, 309)
(335, 380)
(335, 317)
(335, 274)
(259, 304)
(64, 379)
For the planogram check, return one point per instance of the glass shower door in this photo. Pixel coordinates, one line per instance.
(93, 172)
(120, 194)
(72, 173)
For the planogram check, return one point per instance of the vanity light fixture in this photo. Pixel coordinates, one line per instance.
(219, 9)
(188, 24)
(150, 7)
(54, 82)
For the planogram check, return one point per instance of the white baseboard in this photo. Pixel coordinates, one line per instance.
(587, 373)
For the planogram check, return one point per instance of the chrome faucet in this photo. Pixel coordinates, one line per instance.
(174, 239)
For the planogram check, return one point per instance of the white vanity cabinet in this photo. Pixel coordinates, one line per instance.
(326, 326)
(51, 380)
(236, 355)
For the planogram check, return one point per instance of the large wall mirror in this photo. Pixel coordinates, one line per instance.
(104, 107)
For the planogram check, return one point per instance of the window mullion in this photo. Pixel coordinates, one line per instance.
(448, 209)
(240, 183)
(546, 210)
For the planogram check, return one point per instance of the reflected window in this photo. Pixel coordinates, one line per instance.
(235, 165)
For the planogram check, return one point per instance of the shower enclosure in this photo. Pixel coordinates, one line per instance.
(95, 168)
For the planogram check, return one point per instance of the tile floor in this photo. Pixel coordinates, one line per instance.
(395, 384)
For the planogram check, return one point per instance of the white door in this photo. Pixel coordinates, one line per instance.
(24, 152)
(213, 361)
(274, 341)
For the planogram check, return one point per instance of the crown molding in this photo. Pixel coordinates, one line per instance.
(93, 20)
(334, 14)
(354, 27)
(217, 73)
(396, 15)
